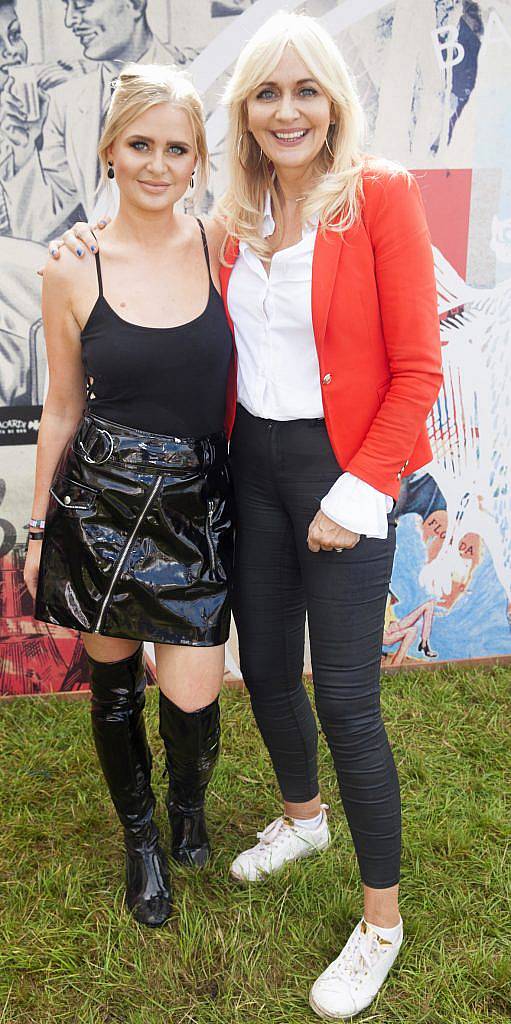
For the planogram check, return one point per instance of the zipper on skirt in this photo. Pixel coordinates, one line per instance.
(124, 554)
(209, 534)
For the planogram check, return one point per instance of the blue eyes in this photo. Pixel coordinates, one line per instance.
(140, 146)
(269, 94)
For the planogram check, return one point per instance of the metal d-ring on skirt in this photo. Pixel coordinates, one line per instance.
(139, 537)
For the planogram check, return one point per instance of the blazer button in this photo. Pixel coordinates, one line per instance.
(327, 378)
(67, 500)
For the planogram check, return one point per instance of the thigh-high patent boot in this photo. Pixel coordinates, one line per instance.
(118, 728)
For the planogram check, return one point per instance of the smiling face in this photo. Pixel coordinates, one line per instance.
(103, 27)
(289, 116)
(154, 157)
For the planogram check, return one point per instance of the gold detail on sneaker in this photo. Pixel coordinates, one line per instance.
(383, 942)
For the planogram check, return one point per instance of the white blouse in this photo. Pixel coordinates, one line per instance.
(278, 369)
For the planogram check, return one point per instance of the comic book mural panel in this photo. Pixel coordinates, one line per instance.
(434, 78)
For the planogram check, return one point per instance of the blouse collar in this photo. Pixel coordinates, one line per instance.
(268, 224)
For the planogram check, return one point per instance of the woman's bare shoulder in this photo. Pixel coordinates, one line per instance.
(68, 271)
(215, 230)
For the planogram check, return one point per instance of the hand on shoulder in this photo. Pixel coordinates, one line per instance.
(60, 277)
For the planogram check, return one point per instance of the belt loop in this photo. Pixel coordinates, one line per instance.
(85, 429)
(204, 453)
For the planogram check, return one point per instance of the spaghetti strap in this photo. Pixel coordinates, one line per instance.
(98, 269)
(205, 243)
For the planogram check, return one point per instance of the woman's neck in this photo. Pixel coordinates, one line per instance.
(143, 228)
(293, 184)
(292, 187)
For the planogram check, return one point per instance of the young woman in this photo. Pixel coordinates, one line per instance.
(137, 535)
(328, 281)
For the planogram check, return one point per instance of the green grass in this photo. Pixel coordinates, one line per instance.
(235, 955)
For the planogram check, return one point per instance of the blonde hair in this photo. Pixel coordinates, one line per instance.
(336, 191)
(141, 86)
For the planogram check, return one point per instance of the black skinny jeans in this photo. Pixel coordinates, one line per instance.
(281, 470)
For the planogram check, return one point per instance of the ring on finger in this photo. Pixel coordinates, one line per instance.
(339, 549)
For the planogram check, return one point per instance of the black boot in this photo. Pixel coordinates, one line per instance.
(118, 728)
(192, 745)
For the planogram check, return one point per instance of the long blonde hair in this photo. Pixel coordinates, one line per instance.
(141, 86)
(336, 190)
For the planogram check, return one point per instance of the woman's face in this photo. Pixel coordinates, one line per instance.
(154, 157)
(13, 48)
(289, 116)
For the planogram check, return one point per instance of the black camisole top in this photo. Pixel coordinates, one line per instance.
(163, 380)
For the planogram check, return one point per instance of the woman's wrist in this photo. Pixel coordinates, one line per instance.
(36, 524)
(33, 537)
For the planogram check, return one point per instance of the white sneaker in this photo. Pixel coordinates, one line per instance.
(351, 982)
(280, 843)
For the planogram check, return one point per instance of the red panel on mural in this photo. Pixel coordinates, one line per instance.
(36, 657)
(446, 196)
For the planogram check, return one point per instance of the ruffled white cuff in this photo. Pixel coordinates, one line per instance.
(357, 506)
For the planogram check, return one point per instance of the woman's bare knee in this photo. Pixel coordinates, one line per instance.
(108, 648)
(190, 677)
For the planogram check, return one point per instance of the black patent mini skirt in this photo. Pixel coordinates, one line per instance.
(138, 540)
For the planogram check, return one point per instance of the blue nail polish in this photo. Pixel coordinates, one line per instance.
(53, 252)
(93, 248)
(79, 252)
(102, 223)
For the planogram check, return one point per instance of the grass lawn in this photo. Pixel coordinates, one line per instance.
(235, 955)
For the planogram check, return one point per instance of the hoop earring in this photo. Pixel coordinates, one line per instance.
(240, 140)
(110, 172)
(327, 143)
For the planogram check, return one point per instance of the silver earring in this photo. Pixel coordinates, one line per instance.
(110, 172)
(327, 143)
(240, 140)
(192, 180)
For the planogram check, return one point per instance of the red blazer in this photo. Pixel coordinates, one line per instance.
(376, 327)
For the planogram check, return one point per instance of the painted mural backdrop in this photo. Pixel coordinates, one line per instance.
(434, 76)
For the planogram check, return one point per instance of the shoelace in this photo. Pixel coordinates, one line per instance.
(274, 831)
(359, 957)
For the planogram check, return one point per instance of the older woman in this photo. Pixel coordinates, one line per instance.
(328, 282)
